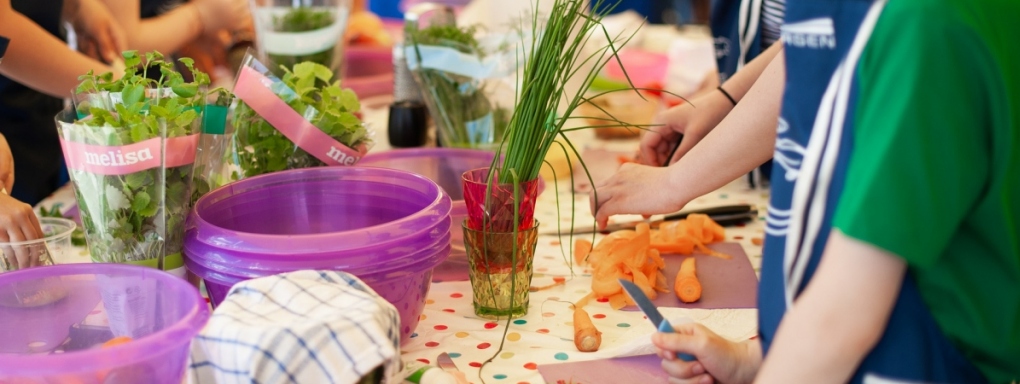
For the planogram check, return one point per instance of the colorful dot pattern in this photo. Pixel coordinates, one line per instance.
(545, 334)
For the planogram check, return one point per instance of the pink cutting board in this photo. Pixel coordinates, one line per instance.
(724, 283)
(634, 369)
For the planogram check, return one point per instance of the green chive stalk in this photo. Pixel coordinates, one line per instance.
(552, 60)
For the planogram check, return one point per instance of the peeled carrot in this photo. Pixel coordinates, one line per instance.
(587, 338)
(687, 286)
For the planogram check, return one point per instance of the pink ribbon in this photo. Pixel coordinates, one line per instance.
(253, 88)
(131, 158)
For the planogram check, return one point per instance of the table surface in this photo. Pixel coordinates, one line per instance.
(545, 334)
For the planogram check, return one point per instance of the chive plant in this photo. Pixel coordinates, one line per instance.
(556, 55)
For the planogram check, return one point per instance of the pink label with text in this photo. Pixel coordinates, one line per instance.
(253, 88)
(131, 158)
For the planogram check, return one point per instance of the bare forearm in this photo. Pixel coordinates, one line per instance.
(741, 82)
(41, 61)
(742, 141)
(839, 317)
(165, 33)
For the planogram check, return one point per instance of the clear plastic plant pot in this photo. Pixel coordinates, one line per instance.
(133, 187)
(289, 32)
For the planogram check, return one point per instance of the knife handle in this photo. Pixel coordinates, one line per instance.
(721, 210)
(664, 326)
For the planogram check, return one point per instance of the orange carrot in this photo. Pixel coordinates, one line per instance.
(116, 341)
(687, 286)
(587, 338)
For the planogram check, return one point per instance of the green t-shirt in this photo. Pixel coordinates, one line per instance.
(935, 172)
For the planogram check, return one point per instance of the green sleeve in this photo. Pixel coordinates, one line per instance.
(919, 158)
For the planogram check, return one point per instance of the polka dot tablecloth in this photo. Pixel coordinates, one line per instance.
(545, 334)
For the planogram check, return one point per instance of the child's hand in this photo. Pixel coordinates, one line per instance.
(18, 223)
(635, 189)
(718, 360)
(6, 165)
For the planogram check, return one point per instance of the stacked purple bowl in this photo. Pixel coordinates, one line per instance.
(388, 227)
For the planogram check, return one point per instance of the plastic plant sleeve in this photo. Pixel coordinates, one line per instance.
(272, 128)
(468, 89)
(291, 32)
(133, 191)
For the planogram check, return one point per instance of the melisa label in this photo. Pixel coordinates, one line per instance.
(253, 88)
(126, 159)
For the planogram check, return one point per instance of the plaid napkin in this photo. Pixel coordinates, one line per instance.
(298, 327)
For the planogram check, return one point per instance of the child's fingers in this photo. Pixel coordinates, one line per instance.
(676, 342)
(700, 379)
(687, 372)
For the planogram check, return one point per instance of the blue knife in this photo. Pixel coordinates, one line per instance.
(651, 312)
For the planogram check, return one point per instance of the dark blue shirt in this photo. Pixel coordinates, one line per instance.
(26, 118)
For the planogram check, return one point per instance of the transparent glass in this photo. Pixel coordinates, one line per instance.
(491, 207)
(500, 270)
(292, 31)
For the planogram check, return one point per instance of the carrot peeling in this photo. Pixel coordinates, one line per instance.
(582, 247)
(556, 282)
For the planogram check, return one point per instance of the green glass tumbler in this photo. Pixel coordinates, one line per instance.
(500, 270)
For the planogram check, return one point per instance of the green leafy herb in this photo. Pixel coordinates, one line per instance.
(137, 216)
(459, 104)
(77, 236)
(303, 19)
(260, 148)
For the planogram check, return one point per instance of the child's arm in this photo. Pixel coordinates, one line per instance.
(174, 29)
(701, 114)
(39, 60)
(839, 317)
(742, 141)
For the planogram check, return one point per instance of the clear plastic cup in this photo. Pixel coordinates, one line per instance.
(54, 248)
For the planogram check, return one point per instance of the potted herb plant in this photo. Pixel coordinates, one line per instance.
(467, 86)
(129, 144)
(500, 230)
(290, 32)
(304, 119)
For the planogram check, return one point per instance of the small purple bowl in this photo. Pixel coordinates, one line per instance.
(53, 324)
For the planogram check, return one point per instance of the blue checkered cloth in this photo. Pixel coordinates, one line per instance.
(298, 327)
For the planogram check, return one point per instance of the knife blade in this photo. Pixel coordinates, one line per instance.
(725, 215)
(651, 312)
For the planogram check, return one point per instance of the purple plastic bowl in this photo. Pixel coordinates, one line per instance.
(406, 288)
(401, 253)
(164, 318)
(388, 227)
(305, 213)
